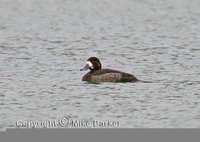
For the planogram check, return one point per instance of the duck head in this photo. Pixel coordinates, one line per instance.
(93, 63)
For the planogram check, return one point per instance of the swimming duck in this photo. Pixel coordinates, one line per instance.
(97, 74)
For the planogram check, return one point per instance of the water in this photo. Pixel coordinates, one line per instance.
(43, 44)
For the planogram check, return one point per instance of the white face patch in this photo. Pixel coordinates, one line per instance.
(90, 64)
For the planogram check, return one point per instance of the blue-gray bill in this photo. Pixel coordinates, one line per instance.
(86, 67)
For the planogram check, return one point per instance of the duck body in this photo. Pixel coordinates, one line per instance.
(96, 74)
(108, 75)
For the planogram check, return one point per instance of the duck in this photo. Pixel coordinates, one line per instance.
(97, 74)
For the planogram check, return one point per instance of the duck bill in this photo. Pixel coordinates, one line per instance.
(86, 67)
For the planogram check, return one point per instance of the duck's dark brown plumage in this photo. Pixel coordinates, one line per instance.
(108, 75)
(97, 74)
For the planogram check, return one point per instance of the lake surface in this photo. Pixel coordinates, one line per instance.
(43, 45)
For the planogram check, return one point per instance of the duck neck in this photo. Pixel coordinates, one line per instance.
(94, 70)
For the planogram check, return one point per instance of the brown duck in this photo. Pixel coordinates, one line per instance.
(97, 74)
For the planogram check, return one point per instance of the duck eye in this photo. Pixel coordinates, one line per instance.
(89, 64)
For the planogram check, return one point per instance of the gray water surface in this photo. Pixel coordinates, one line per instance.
(43, 44)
